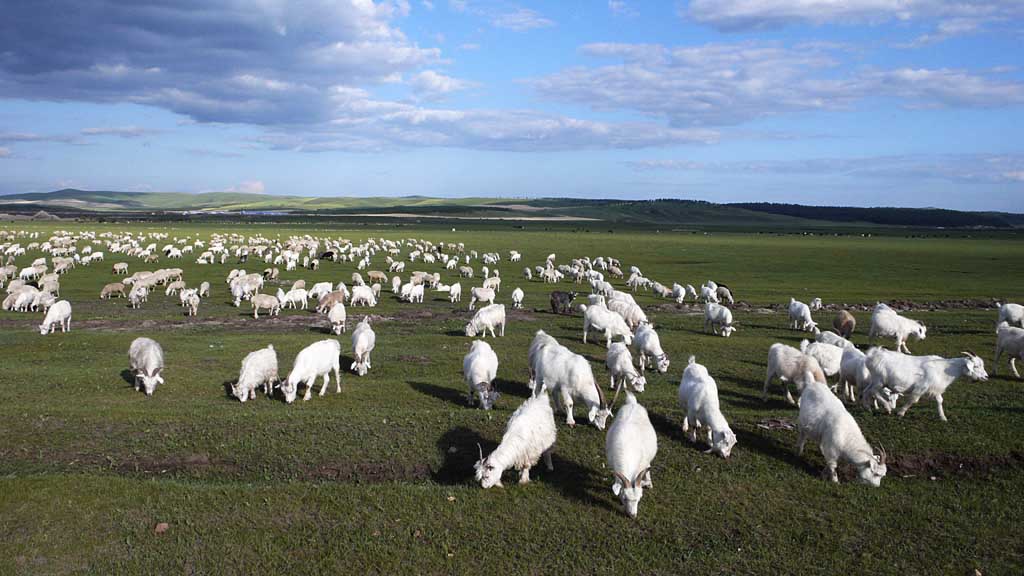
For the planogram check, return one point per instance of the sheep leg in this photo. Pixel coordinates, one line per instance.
(938, 402)
(789, 396)
(503, 325)
(567, 406)
(1013, 366)
(910, 402)
(800, 442)
(647, 482)
(309, 388)
(831, 470)
(686, 422)
(767, 380)
(327, 381)
(547, 460)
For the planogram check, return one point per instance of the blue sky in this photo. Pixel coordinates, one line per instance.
(860, 102)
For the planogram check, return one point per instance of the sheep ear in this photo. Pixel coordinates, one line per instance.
(616, 488)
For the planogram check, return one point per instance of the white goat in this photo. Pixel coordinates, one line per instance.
(337, 318)
(800, 316)
(829, 357)
(607, 321)
(824, 420)
(529, 434)
(915, 376)
(698, 398)
(364, 339)
(486, 320)
(58, 314)
(620, 366)
(630, 447)
(479, 368)
(363, 294)
(716, 315)
(569, 377)
(317, 359)
(790, 364)
(1012, 314)
(1009, 340)
(146, 360)
(259, 368)
(480, 295)
(455, 293)
(886, 322)
(517, 297)
(647, 346)
(828, 337)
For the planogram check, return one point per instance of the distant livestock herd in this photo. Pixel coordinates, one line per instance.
(877, 378)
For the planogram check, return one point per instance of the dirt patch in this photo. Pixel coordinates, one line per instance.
(368, 472)
(942, 465)
(187, 464)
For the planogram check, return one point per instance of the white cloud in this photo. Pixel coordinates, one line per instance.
(431, 84)
(469, 47)
(521, 20)
(621, 8)
(248, 187)
(119, 131)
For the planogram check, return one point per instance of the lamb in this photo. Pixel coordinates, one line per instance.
(790, 364)
(647, 346)
(1012, 314)
(886, 322)
(494, 283)
(260, 301)
(716, 315)
(724, 294)
(517, 297)
(800, 316)
(363, 341)
(363, 294)
(259, 368)
(174, 287)
(569, 376)
(317, 359)
(204, 290)
(561, 302)
(915, 376)
(608, 321)
(833, 339)
(337, 318)
(58, 314)
(824, 419)
(487, 319)
(844, 323)
(192, 302)
(708, 294)
(620, 365)
(529, 434)
(698, 397)
(829, 357)
(146, 360)
(630, 447)
(816, 304)
(479, 368)
(112, 289)
(480, 295)
(1009, 340)
(853, 373)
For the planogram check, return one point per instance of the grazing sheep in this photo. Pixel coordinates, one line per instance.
(527, 273)
(494, 283)
(790, 364)
(724, 294)
(824, 420)
(192, 302)
(569, 377)
(363, 294)
(480, 295)
(844, 323)
(647, 346)
(561, 302)
(204, 290)
(916, 376)
(174, 287)
(138, 295)
(630, 312)
(363, 341)
(146, 360)
(833, 339)
(630, 447)
(620, 366)
(337, 318)
(517, 297)
(265, 301)
(709, 294)
(114, 288)
(607, 321)
(487, 319)
(455, 293)
(319, 289)
(317, 359)
(58, 314)
(800, 316)
(716, 315)
(816, 304)
(853, 373)
(529, 434)
(886, 322)
(829, 357)
(1009, 340)
(698, 398)
(479, 368)
(1012, 314)
(259, 368)
(120, 268)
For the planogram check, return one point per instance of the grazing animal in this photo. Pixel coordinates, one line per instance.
(916, 376)
(716, 315)
(58, 314)
(800, 316)
(630, 447)
(605, 320)
(647, 346)
(789, 364)
(844, 323)
(259, 368)
(364, 339)
(146, 360)
(337, 318)
(620, 366)
(486, 320)
(479, 368)
(561, 302)
(698, 398)
(529, 435)
(1009, 341)
(886, 322)
(317, 359)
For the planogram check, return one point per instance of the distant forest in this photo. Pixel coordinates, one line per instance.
(923, 217)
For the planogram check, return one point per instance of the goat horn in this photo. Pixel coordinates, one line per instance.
(640, 475)
(622, 479)
(970, 353)
(881, 453)
(600, 394)
(615, 398)
(480, 448)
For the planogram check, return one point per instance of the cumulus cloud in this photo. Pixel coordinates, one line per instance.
(720, 84)
(432, 84)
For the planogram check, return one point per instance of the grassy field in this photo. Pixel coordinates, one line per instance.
(378, 479)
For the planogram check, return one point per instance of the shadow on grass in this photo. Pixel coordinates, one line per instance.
(443, 393)
(129, 377)
(512, 388)
(667, 427)
(458, 449)
(774, 449)
(753, 401)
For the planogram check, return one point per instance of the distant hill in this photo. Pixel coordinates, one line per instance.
(663, 213)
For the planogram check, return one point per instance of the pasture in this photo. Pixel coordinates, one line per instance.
(379, 479)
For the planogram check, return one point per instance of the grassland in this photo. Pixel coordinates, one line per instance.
(378, 479)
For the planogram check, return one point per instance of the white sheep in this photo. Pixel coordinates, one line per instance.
(608, 321)
(479, 368)
(698, 398)
(204, 290)
(494, 283)
(487, 319)
(828, 337)
(337, 317)
(620, 366)
(1009, 341)
(259, 368)
(853, 373)
(192, 303)
(363, 341)
(829, 357)
(363, 294)
(916, 376)
(708, 294)
(58, 314)
(517, 297)
(886, 322)
(647, 346)
(146, 360)
(529, 434)
(1012, 314)
(569, 377)
(455, 293)
(800, 316)
(628, 309)
(789, 364)
(824, 420)
(265, 301)
(317, 359)
(716, 315)
(630, 447)
(480, 295)
(816, 304)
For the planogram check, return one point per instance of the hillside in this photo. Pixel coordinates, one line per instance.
(665, 213)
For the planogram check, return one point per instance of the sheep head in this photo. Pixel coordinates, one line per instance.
(722, 443)
(150, 380)
(486, 473)
(873, 470)
(975, 367)
(629, 491)
(663, 363)
(471, 330)
(638, 383)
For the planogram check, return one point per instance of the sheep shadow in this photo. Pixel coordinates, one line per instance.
(769, 447)
(666, 427)
(512, 388)
(228, 388)
(443, 393)
(128, 376)
(461, 333)
(573, 481)
(458, 449)
(740, 399)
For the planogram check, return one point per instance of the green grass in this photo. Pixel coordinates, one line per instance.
(378, 479)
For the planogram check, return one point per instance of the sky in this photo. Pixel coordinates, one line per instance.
(855, 102)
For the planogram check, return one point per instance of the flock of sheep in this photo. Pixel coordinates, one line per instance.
(558, 377)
